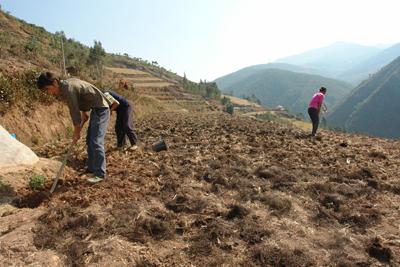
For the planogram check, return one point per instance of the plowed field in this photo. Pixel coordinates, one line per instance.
(229, 191)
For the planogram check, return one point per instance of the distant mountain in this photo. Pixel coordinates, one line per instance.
(371, 65)
(275, 87)
(231, 79)
(332, 60)
(373, 107)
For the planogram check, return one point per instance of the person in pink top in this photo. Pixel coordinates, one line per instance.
(315, 107)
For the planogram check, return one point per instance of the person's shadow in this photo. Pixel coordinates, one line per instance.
(7, 193)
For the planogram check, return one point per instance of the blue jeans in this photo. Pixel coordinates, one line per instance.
(95, 141)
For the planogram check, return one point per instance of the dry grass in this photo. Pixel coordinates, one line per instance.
(125, 71)
(146, 105)
(144, 79)
(240, 101)
(301, 124)
(153, 85)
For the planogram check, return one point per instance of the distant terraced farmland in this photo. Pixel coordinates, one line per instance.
(169, 93)
(140, 79)
(126, 71)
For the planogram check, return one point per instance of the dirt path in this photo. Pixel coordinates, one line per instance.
(230, 191)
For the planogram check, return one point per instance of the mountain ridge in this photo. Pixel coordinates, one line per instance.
(371, 65)
(332, 59)
(371, 107)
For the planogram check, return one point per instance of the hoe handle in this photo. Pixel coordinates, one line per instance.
(64, 162)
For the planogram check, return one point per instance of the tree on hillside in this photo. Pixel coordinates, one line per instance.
(96, 57)
(184, 80)
(212, 90)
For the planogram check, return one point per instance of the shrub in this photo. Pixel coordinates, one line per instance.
(21, 88)
(36, 182)
(225, 101)
(230, 109)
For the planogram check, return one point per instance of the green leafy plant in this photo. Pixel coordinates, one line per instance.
(36, 182)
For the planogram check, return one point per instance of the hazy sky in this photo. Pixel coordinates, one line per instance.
(210, 38)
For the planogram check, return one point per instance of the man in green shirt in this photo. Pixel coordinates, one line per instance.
(82, 98)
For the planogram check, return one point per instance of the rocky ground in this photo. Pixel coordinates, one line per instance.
(229, 191)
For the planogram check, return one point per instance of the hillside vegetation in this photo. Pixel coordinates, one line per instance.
(276, 87)
(373, 106)
(27, 49)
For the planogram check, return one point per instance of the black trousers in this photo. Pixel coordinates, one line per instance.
(124, 127)
(314, 116)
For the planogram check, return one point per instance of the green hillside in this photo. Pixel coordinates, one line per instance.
(232, 78)
(281, 87)
(373, 106)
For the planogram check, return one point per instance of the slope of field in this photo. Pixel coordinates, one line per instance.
(230, 191)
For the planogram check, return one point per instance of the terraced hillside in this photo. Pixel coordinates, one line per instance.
(166, 91)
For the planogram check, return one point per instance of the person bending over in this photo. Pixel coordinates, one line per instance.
(314, 109)
(82, 97)
(124, 122)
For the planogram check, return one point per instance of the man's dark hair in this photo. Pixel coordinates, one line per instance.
(323, 89)
(45, 79)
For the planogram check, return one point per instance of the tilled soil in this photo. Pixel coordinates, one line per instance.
(229, 191)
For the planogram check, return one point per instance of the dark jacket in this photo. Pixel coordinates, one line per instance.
(123, 102)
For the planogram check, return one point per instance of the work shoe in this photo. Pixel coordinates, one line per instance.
(95, 179)
(132, 148)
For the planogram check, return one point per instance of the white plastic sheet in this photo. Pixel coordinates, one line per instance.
(13, 153)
